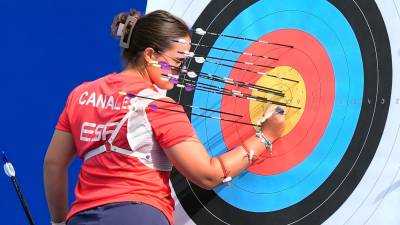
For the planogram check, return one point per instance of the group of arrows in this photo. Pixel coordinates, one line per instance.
(188, 82)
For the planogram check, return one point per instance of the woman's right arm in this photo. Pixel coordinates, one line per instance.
(59, 155)
(192, 160)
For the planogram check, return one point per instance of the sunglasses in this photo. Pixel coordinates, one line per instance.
(180, 63)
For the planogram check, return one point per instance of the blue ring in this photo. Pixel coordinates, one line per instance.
(256, 193)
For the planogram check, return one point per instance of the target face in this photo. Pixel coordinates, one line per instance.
(341, 63)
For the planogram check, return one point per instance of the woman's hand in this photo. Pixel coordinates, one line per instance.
(273, 122)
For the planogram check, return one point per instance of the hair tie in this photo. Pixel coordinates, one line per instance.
(125, 31)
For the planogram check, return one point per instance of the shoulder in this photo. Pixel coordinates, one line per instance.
(83, 88)
(90, 84)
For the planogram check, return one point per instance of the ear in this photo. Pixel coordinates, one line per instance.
(150, 55)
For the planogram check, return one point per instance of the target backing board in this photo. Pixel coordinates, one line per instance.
(339, 158)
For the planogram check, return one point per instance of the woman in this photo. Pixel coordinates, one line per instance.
(127, 146)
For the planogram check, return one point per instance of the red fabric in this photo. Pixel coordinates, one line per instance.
(90, 115)
(169, 127)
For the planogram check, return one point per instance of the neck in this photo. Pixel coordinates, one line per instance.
(137, 72)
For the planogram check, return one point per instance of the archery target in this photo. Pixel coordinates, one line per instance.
(346, 69)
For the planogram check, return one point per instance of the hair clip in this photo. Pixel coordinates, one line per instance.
(126, 31)
(120, 29)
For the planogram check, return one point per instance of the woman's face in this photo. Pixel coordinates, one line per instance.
(173, 58)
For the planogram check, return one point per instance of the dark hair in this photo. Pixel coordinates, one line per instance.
(155, 30)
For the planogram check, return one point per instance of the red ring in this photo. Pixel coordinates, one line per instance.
(310, 59)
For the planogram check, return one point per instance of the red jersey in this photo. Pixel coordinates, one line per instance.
(100, 118)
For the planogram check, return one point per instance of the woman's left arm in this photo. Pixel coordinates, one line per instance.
(59, 155)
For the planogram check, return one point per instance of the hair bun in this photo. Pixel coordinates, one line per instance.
(121, 18)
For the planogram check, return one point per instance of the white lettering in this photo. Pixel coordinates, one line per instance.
(125, 102)
(107, 131)
(96, 132)
(101, 100)
(116, 107)
(99, 129)
(85, 130)
(104, 101)
(110, 103)
(92, 99)
(84, 94)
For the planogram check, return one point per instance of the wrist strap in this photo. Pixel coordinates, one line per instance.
(264, 140)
